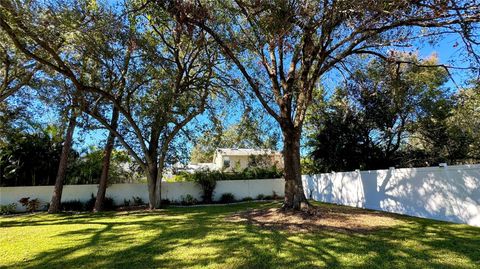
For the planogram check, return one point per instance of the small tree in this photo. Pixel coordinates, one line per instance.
(207, 181)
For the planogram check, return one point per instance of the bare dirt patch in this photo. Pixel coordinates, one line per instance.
(336, 218)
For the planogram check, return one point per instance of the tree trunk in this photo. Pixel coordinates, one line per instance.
(158, 184)
(152, 180)
(158, 190)
(102, 185)
(62, 167)
(294, 194)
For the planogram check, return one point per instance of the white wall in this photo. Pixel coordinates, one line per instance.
(444, 193)
(170, 190)
(451, 193)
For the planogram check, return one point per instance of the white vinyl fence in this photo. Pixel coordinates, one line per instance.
(450, 193)
(172, 191)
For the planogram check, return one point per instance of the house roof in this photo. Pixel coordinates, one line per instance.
(244, 152)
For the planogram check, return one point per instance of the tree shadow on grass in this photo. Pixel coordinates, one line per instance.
(201, 237)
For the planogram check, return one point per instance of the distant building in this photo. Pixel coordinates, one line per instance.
(194, 167)
(233, 159)
(229, 159)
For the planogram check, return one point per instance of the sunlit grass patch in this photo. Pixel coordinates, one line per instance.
(205, 237)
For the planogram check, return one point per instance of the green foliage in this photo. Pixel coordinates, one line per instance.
(32, 159)
(308, 166)
(188, 200)
(181, 176)
(387, 115)
(260, 161)
(108, 203)
(29, 159)
(247, 199)
(166, 202)
(17, 70)
(227, 198)
(87, 168)
(74, 205)
(207, 181)
(31, 205)
(258, 173)
(209, 176)
(466, 118)
(8, 209)
(137, 200)
(260, 197)
(252, 131)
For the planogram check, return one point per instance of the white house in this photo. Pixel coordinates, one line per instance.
(229, 159)
(235, 159)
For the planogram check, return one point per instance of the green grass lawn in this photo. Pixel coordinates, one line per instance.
(204, 237)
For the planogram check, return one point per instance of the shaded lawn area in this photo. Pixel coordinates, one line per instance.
(201, 237)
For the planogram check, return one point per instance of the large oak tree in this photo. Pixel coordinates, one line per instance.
(283, 48)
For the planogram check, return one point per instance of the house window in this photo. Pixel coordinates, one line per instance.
(226, 162)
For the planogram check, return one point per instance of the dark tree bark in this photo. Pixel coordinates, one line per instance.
(158, 183)
(102, 185)
(152, 179)
(62, 167)
(294, 195)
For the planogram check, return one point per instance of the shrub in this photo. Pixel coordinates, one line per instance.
(30, 205)
(247, 173)
(268, 197)
(260, 197)
(126, 202)
(227, 198)
(8, 209)
(261, 173)
(137, 200)
(181, 177)
(90, 203)
(248, 198)
(108, 203)
(188, 200)
(207, 181)
(165, 202)
(73, 205)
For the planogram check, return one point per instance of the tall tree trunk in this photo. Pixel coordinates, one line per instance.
(153, 166)
(158, 184)
(62, 166)
(158, 190)
(294, 194)
(102, 185)
(152, 180)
